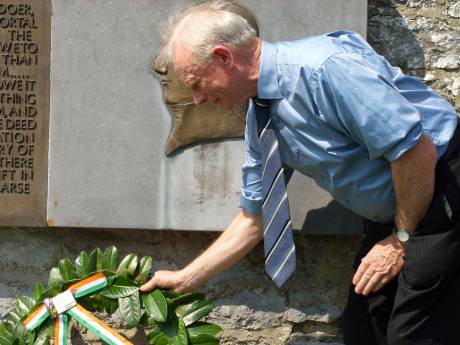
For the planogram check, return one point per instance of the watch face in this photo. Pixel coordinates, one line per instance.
(402, 235)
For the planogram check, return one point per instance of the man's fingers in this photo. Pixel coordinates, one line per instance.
(384, 281)
(362, 283)
(360, 272)
(374, 281)
(150, 285)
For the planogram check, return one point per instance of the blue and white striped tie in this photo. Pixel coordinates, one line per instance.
(280, 260)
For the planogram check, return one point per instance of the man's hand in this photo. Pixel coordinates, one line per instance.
(173, 280)
(383, 262)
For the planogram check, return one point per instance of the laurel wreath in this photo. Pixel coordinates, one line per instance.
(169, 317)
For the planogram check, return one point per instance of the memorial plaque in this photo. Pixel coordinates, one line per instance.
(25, 32)
(109, 124)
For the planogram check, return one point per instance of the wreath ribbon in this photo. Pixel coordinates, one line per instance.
(83, 316)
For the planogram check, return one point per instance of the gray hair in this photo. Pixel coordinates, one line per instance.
(229, 24)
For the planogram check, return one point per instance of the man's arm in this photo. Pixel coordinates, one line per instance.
(413, 182)
(240, 237)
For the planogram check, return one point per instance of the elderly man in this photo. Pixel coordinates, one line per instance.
(382, 143)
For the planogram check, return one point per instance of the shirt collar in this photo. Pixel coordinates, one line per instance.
(267, 85)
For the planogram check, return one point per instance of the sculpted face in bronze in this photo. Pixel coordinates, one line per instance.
(192, 123)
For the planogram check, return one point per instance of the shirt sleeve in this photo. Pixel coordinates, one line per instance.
(353, 98)
(251, 190)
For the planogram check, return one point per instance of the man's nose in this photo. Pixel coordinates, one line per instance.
(199, 97)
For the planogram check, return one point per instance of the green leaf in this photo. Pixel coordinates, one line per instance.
(44, 334)
(187, 299)
(15, 314)
(145, 265)
(156, 306)
(42, 339)
(110, 259)
(170, 294)
(6, 333)
(130, 309)
(121, 287)
(67, 270)
(110, 305)
(146, 321)
(95, 260)
(39, 289)
(128, 265)
(173, 331)
(55, 279)
(203, 333)
(92, 303)
(194, 311)
(52, 291)
(20, 331)
(82, 265)
(24, 305)
(154, 334)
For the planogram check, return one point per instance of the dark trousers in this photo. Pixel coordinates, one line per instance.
(421, 306)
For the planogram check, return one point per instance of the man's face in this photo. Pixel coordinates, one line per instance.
(208, 83)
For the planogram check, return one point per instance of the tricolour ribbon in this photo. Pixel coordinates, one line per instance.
(61, 320)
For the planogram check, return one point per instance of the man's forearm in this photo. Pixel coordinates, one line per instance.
(240, 237)
(413, 182)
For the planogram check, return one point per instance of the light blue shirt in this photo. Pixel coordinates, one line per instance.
(342, 113)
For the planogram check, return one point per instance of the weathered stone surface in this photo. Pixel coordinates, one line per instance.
(422, 37)
(454, 10)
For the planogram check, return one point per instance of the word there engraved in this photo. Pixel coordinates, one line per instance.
(24, 110)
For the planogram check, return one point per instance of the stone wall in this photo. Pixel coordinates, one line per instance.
(423, 38)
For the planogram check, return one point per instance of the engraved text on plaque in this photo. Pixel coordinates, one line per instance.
(24, 110)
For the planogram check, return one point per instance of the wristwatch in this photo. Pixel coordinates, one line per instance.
(402, 235)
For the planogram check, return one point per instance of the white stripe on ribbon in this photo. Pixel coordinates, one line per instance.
(37, 319)
(274, 213)
(90, 285)
(62, 334)
(284, 262)
(95, 326)
(279, 240)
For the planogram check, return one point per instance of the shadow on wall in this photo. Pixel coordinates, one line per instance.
(334, 217)
(390, 35)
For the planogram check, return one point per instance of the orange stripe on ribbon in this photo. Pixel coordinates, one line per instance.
(75, 286)
(57, 324)
(102, 324)
(33, 314)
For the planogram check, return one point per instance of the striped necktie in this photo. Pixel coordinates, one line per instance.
(280, 261)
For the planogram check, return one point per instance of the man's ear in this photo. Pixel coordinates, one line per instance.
(223, 55)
